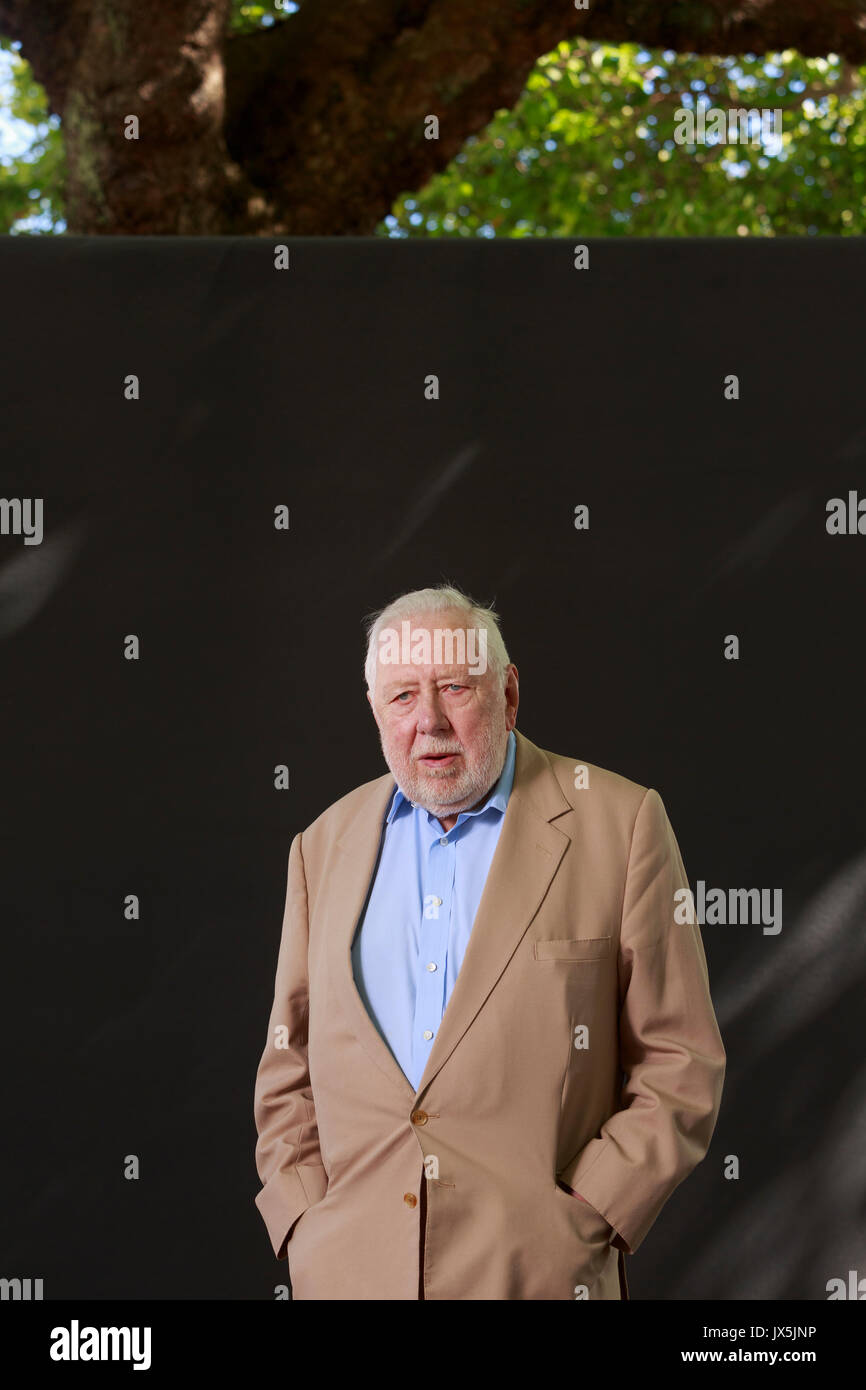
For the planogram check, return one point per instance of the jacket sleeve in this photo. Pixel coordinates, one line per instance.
(670, 1047)
(288, 1158)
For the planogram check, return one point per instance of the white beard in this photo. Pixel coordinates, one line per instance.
(447, 791)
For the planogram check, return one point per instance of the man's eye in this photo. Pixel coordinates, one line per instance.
(402, 693)
(455, 686)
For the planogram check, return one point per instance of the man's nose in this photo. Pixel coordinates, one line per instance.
(431, 716)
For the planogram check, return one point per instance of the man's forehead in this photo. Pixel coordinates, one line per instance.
(427, 648)
(418, 672)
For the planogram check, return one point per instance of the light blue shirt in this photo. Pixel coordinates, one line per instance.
(408, 950)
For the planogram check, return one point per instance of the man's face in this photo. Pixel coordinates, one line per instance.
(442, 727)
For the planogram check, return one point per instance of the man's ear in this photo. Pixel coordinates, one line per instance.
(373, 708)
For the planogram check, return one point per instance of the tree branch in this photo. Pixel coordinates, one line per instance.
(51, 33)
(327, 111)
(316, 125)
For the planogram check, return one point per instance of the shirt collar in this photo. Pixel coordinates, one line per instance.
(496, 799)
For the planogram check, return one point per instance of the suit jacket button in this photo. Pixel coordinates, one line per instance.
(419, 1117)
(410, 1199)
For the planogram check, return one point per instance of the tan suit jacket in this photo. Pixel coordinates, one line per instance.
(575, 931)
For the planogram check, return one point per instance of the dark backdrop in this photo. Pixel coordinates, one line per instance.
(305, 387)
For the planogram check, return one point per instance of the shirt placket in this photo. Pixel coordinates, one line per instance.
(436, 908)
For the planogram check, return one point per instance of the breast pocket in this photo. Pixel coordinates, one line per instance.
(573, 948)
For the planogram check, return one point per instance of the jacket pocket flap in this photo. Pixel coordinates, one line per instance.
(578, 948)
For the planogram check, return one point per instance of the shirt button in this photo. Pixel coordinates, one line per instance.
(427, 1034)
(442, 840)
(410, 1199)
(418, 1117)
(431, 965)
(437, 902)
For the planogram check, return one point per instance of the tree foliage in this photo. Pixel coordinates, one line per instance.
(589, 150)
(32, 183)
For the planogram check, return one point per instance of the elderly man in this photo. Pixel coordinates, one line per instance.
(492, 1053)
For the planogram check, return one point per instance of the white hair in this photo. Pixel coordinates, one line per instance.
(446, 598)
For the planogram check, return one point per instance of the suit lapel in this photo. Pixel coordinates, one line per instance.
(527, 856)
(359, 849)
